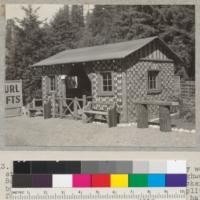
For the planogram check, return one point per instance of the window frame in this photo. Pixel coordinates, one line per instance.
(52, 77)
(100, 82)
(157, 88)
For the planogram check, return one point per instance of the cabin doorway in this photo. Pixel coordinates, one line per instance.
(76, 90)
(77, 84)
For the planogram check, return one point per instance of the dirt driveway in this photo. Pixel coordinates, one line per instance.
(36, 131)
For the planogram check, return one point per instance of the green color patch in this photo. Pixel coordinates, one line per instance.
(138, 180)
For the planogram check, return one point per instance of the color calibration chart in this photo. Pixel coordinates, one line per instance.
(145, 180)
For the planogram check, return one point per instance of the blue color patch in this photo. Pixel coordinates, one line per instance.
(156, 180)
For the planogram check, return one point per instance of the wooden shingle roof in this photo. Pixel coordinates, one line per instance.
(100, 52)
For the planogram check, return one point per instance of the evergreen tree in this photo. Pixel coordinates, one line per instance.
(100, 24)
(67, 28)
(87, 38)
(179, 33)
(77, 20)
(27, 44)
(11, 70)
(134, 22)
(174, 24)
(62, 30)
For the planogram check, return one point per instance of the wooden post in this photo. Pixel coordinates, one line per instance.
(110, 118)
(63, 88)
(84, 100)
(53, 106)
(75, 108)
(164, 118)
(142, 116)
(28, 108)
(124, 117)
(61, 106)
(47, 109)
(33, 101)
(84, 118)
(115, 116)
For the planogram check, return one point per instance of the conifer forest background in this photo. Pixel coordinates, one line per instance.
(30, 40)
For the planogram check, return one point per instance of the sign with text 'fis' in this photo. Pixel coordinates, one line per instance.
(13, 98)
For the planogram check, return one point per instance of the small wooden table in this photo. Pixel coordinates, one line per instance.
(164, 113)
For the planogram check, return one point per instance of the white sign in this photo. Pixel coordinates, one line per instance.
(13, 96)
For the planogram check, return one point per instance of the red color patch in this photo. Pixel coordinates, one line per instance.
(100, 180)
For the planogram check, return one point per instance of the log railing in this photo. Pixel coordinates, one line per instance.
(63, 107)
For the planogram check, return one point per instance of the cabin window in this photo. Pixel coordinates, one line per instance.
(52, 83)
(153, 81)
(105, 83)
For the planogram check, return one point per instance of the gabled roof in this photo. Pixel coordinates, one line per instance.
(100, 52)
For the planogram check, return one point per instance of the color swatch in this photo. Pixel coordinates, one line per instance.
(101, 180)
(119, 180)
(86, 174)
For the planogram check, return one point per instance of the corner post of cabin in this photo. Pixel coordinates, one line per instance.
(164, 118)
(124, 117)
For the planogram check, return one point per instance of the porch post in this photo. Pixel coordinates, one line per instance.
(63, 86)
(84, 100)
(75, 108)
(61, 106)
(53, 105)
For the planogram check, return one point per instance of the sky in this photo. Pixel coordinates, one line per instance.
(46, 11)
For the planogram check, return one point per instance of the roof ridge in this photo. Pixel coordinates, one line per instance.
(98, 45)
(116, 50)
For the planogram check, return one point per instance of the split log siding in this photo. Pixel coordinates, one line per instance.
(116, 70)
(137, 81)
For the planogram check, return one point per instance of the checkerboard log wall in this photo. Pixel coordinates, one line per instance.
(136, 66)
(150, 58)
(137, 86)
(116, 68)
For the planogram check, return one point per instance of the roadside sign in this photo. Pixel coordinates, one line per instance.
(13, 98)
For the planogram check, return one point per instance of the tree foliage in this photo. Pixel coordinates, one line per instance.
(24, 47)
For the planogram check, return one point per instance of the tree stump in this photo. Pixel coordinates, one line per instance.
(164, 118)
(142, 118)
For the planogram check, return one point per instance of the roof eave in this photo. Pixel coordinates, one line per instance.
(176, 57)
(64, 63)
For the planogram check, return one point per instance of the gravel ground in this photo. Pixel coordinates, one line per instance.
(35, 131)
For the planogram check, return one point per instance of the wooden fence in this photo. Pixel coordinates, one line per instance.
(188, 92)
(69, 107)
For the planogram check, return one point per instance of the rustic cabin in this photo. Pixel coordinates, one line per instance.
(120, 73)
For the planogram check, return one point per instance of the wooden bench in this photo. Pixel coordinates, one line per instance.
(90, 112)
(164, 113)
(36, 105)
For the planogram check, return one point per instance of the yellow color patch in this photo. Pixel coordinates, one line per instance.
(119, 180)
